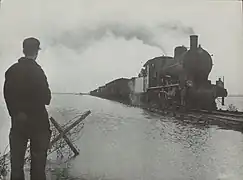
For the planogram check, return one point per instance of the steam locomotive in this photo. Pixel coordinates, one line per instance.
(167, 81)
(184, 78)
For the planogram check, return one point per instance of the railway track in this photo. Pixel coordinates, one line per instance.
(233, 116)
(214, 117)
(219, 119)
(223, 114)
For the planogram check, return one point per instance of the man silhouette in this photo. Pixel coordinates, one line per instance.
(26, 92)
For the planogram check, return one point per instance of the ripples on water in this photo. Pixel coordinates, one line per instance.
(121, 142)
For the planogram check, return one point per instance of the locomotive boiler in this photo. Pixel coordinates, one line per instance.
(194, 64)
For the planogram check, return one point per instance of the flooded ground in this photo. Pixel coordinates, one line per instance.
(237, 102)
(120, 142)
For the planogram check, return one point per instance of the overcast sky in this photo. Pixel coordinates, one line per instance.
(87, 43)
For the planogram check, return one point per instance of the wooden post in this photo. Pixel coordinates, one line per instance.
(61, 135)
(58, 127)
(83, 116)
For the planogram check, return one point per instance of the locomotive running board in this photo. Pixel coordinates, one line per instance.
(159, 87)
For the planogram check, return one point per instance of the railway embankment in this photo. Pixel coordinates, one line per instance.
(222, 118)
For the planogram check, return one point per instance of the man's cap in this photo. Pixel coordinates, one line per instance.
(31, 43)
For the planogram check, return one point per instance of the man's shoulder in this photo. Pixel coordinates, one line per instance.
(22, 67)
(38, 69)
(11, 69)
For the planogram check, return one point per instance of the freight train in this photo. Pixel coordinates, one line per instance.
(179, 81)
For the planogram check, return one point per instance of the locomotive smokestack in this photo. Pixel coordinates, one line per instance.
(193, 41)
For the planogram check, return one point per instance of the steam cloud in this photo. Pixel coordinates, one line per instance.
(177, 27)
(84, 37)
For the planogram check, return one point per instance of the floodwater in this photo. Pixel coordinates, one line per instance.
(126, 143)
(235, 101)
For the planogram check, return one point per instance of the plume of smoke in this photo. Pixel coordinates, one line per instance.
(176, 27)
(83, 37)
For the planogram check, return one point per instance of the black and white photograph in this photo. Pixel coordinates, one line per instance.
(121, 90)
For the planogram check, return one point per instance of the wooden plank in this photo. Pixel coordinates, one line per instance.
(67, 140)
(83, 116)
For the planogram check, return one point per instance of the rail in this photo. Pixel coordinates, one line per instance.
(223, 113)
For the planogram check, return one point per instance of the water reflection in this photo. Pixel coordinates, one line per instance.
(121, 142)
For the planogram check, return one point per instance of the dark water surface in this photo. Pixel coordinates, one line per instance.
(120, 142)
